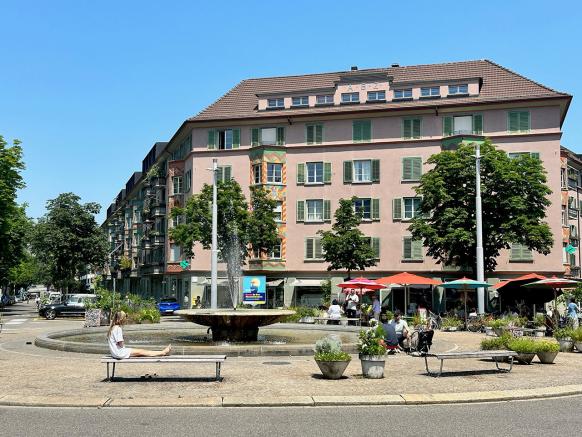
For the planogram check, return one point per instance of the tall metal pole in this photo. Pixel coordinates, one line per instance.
(479, 219)
(214, 252)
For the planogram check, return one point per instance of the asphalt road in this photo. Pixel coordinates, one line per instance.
(543, 417)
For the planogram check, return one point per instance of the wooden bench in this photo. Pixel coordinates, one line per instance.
(496, 355)
(216, 359)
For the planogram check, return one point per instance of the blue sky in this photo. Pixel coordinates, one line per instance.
(90, 86)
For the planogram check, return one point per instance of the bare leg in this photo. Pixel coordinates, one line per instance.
(146, 353)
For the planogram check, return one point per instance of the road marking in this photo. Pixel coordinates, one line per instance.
(15, 321)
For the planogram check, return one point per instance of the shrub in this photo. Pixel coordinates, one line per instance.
(523, 345)
(369, 341)
(540, 320)
(576, 334)
(389, 315)
(547, 346)
(496, 343)
(150, 314)
(451, 322)
(301, 312)
(497, 323)
(330, 349)
(563, 333)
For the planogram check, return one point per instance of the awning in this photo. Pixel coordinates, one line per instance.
(218, 282)
(275, 282)
(307, 282)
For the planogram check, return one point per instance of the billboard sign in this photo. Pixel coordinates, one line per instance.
(255, 290)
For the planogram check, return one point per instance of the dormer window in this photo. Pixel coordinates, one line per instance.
(376, 96)
(326, 99)
(276, 103)
(300, 101)
(430, 91)
(350, 97)
(458, 90)
(403, 94)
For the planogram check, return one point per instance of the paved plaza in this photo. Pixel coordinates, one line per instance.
(49, 377)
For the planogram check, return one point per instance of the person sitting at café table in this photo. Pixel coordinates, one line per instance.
(401, 328)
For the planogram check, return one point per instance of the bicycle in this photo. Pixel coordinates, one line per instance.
(435, 321)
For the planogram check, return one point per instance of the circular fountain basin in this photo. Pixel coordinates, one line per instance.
(240, 325)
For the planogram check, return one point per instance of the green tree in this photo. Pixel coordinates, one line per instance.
(11, 243)
(68, 240)
(514, 201)
(238, 226)
(345, 247)
(16, 239)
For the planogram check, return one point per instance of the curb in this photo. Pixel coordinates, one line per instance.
(296, 401)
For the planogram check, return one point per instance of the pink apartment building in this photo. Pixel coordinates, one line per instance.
(314, 139)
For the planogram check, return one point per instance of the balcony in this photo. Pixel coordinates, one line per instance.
(159, 211)
(158, 240)
(159, 182)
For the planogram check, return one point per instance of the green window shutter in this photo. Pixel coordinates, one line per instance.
(375, 209)
(376, 247)
(227, 176)
(357, 131)
(477, 124)
(348, 169)
(212, 139)
(375, 170)
(300, 210)
(417, 249)
(407, 248)
(255, 140)
(397, 208)
(407, 169)
(310, 134)
(318, 134)
(300, 174)
(280, 136)
(317, 249)
(309, 248)
(524, 124)
(327, 172)
(515, 253)
(513, 121)
(447, 126)
(235, 138)
(366, 131)
(406, 128)
(327, 210)
(416, 128)
(416, 168)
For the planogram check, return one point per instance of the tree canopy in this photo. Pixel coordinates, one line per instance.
(345, 246)
(514, 201)
(68, 240)
(238, 225)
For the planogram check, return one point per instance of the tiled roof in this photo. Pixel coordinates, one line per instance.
(498, 84)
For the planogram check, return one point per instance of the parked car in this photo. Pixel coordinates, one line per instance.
(73, 305)
(168, 305)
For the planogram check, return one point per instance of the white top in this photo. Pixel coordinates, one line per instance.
(399, 326)
(334, 312)
(115, 337)
(353, 300)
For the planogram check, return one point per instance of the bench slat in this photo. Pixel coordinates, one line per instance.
(168, 359)
(476, 354)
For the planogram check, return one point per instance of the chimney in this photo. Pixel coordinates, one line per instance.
(354, 67)
(395, 65)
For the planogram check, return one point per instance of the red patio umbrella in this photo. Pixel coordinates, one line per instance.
(406, 280)
(361, 284)
(555, 283)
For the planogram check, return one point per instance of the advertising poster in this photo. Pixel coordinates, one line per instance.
(255, 290)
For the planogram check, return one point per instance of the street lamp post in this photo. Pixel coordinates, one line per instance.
(479, 220)
(214, 252)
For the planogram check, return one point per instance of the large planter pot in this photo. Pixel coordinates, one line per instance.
(499, 331)
(332, 369)
(373, 366)
(578, 345)
(525, 358)
(308, 319)
(540, 332)
(547, 357)
(566, 344)
(489, 331)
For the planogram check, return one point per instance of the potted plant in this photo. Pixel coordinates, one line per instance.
(416, 320)
(547, 351)
(497, 343)
(526, 349)
(564, 337)
(577, 338)
(306, 314)
(330, 358)
(451, 324)
(372, 352)
(498, 325)
(540, 325)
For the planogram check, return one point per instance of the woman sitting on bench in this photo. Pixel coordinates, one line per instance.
(117, 344)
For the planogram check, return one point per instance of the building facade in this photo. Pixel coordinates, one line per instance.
(313, 139)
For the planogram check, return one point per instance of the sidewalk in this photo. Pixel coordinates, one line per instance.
(46, 377)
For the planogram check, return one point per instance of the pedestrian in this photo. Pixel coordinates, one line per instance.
(197, 303)
(376, 308)
(352, 306)
(334, 313)
(573, 313)
(37, 301)
(117, 343)
(186, 301)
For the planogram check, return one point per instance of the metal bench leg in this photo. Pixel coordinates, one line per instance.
(501, 369)
(218, 371)
(113, 372)
(108, 379)
(428, 370)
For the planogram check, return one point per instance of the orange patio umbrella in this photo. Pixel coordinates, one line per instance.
(406, 279)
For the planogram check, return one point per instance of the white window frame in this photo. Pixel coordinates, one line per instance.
(459, 89)
(180, 183)
(405, 93)
(268, 130)
(278, 210)
(376, 96)
(327, 99)
(228, 139)
(275, 103)
(316, 165)
(415, 211)
(366, 213)
(355, 174)
(314, 210)
(462, 131)
(349, 97)
(257, 171)
(429, 91)
(272, 255)
(274, 172)
(301, 99)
